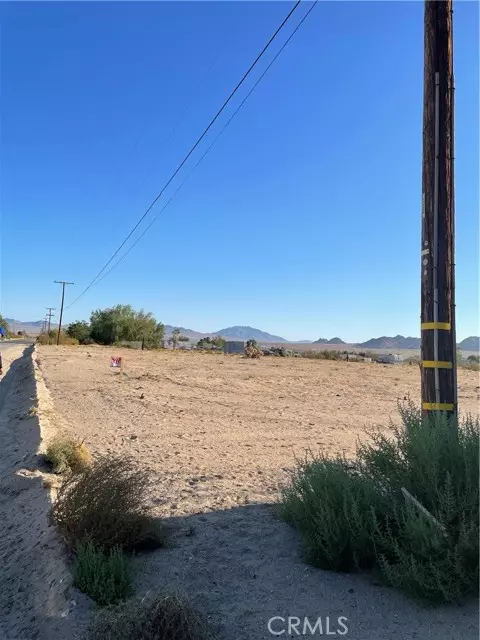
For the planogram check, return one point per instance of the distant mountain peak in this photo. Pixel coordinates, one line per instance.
(248, 333)
(331, 341)
(471, 343)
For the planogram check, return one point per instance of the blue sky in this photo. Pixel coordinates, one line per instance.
(303, 220)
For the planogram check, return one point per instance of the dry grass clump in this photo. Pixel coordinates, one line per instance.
(107, 504)
(66, 454)
(51, 339)
(161, 617)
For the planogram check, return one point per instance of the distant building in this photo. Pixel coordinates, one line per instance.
(234, 346)
(390, 358)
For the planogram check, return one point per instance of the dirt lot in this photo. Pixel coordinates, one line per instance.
(221, 432)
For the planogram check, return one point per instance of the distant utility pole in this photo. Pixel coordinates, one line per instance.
(49, 316)
(438, 348)
(63, 283)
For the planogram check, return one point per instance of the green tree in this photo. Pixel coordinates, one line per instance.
(473, 358)
(79, 330)
(154, 339)
(123, 324)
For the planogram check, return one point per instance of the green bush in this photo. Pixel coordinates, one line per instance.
(334, 509)
(107, 504)
(123, 323)
(104, 577)
(79, 330)
(357, 516)
(158, 617)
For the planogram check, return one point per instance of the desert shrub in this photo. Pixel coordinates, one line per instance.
(334, 508)
(51, 338)
(471, 365)
(107, 504)
(209, 343)
(158, 617)
(437, 462)
(253, 352)
(66, 454)
(325, 354)
(104, 577)
(433, 557)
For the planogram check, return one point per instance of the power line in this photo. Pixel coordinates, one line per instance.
(214, 119)
(210, 147)
(178, 122)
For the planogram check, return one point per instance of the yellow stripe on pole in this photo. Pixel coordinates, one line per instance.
(446, 326)
(438, 406)
(436, 364)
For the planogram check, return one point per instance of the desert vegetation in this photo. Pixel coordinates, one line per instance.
(102, 513)
(50, 337)
(408, 505)
(68, 455)
(155, 617)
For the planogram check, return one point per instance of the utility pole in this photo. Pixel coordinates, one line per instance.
(438, 342)
(49, 316)
(63, 283)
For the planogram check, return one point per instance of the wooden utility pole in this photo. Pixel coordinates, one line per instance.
(49, 316)
(63, 283)
(438, 348)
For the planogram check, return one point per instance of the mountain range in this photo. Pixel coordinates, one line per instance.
(238, 332)
(385, 342)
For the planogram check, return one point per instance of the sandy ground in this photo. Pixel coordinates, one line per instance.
(219, 435)
(34, 580)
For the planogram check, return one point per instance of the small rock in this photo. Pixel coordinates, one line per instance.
(351, 591)
(133, 437)
(142, 396)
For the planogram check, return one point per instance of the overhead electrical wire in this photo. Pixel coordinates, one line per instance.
(214, 119)
(210, 147)
(178, 122)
